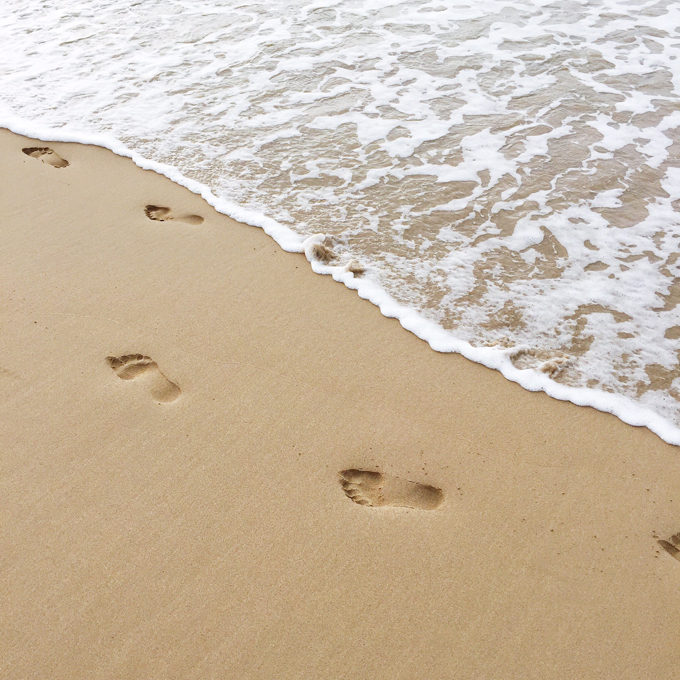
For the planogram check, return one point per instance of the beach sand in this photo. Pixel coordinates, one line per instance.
(179, 400)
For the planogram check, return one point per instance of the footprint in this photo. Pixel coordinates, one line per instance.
(355, 267)
(316, 251)
(158, 213)
(670, 546)
(553, 367)
(377, 490)
(137, 366)
(46, 155)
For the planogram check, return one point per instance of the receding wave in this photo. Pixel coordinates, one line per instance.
(508, 169)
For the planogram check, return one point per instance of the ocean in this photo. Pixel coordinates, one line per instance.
(501, 176)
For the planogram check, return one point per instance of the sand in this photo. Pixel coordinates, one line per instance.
(179, 400)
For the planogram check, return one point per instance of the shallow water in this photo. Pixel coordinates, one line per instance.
(508, 169)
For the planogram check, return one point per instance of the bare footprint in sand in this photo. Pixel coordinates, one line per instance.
(159, 213)
(46, 155)
(670, 546)
(138, 366)
(377, 490)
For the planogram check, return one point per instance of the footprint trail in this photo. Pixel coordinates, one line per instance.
(46, 155)
(145, 369)
(159, 213)
(376, 490)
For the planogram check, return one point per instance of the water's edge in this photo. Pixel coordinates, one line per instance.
(437, 338)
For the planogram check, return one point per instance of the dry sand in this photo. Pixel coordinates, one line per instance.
(179, 512)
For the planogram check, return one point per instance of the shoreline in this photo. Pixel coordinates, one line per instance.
(184, 513)
(440, 340)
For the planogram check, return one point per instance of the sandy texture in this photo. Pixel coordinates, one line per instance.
(179, 399)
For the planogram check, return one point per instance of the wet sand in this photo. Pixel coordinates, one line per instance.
(190, 417)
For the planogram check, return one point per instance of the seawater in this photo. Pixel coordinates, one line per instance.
(507, 172)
